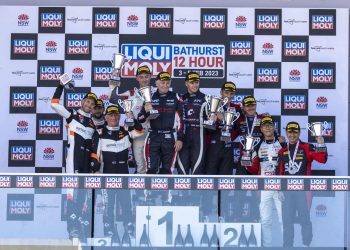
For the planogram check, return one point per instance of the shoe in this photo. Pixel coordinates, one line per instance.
(73, 234)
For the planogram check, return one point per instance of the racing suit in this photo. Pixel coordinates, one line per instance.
(110, 150)
(138, 143)
(80, 130)
(219, 159)
(265, 162)
(296, 159)
(191, 156)
(99, 123)
(163, 132)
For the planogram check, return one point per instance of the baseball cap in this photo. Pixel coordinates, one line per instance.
(293, 127)
(249, 100)
(143, 69)
(230, 86)
(112, 109)
(267, 120)
(91, 96)
(163, 76)
(192, 76)
(99, 103)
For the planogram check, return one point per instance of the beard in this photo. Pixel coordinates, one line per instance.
(97, 115)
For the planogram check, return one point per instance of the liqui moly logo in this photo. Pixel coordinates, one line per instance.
(114, 182)
(24, 46)
(295, 184)
(24, 181)
(237, 99)
(294, 75)
(267, 75)
(159, 183)
(92, 182)
(213, 21)
(77, 73)
(318, 184)
(241, 22)
(105, 20)
(241, 48)
(51, 47)
(22, 126)
(22, 153)
(272, 184)
(47, 181)
(50, 73)
(73, 100)
(51, 20)
(70, 182)
(340, 184)
(295, 48)
(5, 181)
(102, 73)
(49, 127)
(226, 184)
(78, 47)
(182, 183)
(319, 75)
(321, 102)
(322, 22)
(133, 21)
(328, 129)
(294, 102)
(268, 22)
(159, 21)
(136, 182)
(22, 100)
(205, 183)
(23, 20)
(249, 184)
(49, 154)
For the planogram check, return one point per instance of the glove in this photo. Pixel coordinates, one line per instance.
(94, 165)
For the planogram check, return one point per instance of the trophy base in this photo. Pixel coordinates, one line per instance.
(129, 122)
(246, 161)
(209, 124)
(153, 114)
(225, 136)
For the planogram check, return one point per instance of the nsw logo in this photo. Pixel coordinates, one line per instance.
(267, 49)
(77, 73)
(22, 153)
(269, 75)
(23, 20)
(213, 21)
(268, 22)
(159, 21)
(295, 49)
(294, 75)
(51, 47)
(49, 154)
(78, 47)
(22, 127)
(321, 102)
(49, 127)
(294, 102)
(241, 22)
(51, 20)
(133, 21)
(104, 20)
(241, 48)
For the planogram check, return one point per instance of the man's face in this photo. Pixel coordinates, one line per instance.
(227, 93)
(163, 86)
(267, 130)
(87, 105)
(293, 137)
(112, 119)
(192, 86)
(97, 112)
(144, 79)
(250, 110)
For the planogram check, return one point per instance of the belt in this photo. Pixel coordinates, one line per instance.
(158, 131)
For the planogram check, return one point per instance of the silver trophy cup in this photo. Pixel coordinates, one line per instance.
(147, 98)
(67, 82)
(230, 116)
(214, 105)
(118, 62)
(248, 143)
(317, 128)
(127, 105)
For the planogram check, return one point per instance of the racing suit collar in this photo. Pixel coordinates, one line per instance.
(80, 111)
(113, 128)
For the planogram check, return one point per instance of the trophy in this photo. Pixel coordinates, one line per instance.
(67, 82)
(127, 105)
(317, 128)
(248, 145)
(214, 105)
(230, 116)
(146, 96)
(118, 62)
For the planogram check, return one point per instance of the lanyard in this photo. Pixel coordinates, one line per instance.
(294, 155)
(250, 132)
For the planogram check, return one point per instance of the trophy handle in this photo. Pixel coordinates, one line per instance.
(242, 141)
(256, 142)
(237, 115)
(137, 93)
(121, 104)
(207, 106)
(325, 125)
(309, 127)
(223, 103)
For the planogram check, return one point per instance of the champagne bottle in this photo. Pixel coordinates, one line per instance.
(115, 238)
(205, 238)
(252, 239)
(126, 241)
(214, 240)
(144, 240)
(189, 239)
(242, 241)
(179, 241)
